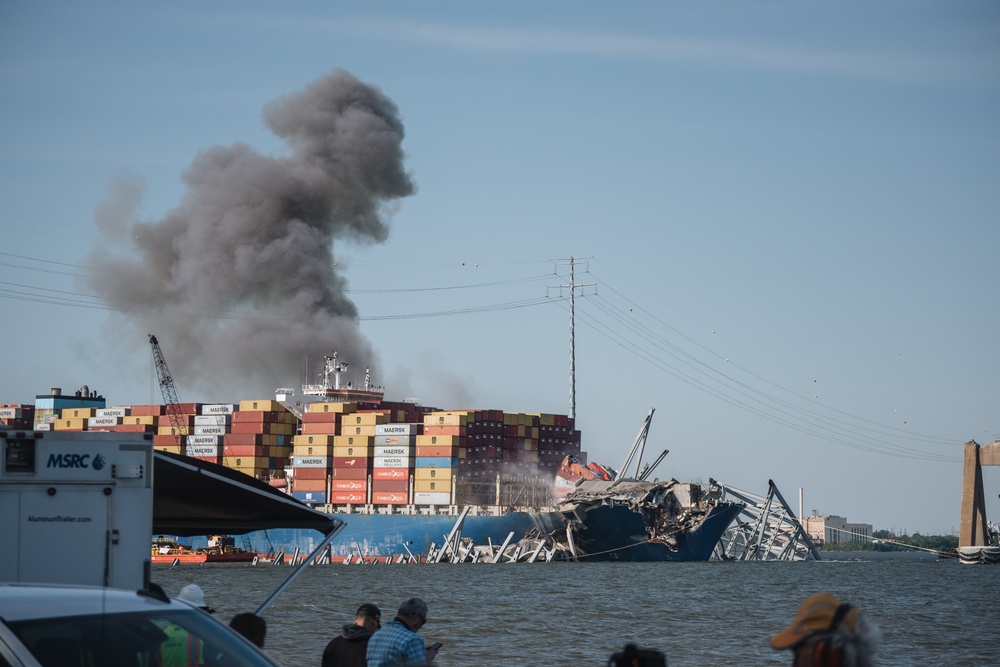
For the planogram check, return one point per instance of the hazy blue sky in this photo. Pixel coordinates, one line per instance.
(786, 215)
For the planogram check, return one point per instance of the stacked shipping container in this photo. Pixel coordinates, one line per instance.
(346, 453)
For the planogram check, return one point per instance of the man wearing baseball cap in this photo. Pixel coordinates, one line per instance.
(828, 633)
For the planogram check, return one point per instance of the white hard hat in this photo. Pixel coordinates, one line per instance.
(194, 596)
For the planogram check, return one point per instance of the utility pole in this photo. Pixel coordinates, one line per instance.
(572, 323)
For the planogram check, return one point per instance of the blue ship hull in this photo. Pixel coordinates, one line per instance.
(395, 534)
(617, 533)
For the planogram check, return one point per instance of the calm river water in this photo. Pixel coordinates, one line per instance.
(930, 611)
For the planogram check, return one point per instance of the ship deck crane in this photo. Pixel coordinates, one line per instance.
(170, 400)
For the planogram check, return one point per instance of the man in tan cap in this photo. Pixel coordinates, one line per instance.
(828, 633)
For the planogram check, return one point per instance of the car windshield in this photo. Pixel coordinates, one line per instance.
(137, 639)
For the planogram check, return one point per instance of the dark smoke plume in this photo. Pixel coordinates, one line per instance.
(238, 282)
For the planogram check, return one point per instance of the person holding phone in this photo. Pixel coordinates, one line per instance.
(397, 643)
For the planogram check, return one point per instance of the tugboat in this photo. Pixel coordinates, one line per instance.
(220, 549)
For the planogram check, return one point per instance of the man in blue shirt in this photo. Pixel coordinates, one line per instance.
(397, 643)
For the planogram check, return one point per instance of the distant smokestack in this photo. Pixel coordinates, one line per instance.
(239, 280)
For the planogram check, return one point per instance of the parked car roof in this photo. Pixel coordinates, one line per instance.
(82, 626)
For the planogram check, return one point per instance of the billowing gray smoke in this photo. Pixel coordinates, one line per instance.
(238, 282)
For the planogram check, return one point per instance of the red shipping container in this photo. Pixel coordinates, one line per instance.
(321, 418)
(254, 416)
(135, 428)
(246, 450)
(318, 428)
(352, 462)
(390, 498)
(390, 485)
(351, 497)
(392, 473)
(166, 440)
(311, 473)
(436, 451)
(145, 410)
(356, 485)
(350, 473)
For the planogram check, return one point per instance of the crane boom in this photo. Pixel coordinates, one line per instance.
(170, 400)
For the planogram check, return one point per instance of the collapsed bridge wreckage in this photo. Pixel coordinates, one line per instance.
(600, 514)
(605, 515)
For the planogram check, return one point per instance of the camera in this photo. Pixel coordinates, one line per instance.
(633, 656)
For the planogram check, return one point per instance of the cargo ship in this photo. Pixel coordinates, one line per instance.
(399, 474)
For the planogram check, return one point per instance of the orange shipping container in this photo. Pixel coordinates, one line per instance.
(318, 428)
(349, 497)
(440, 451)
(356, 485)
(321, 418)
(299, 484)
(392, 473)
(246, 450)
(390, 498)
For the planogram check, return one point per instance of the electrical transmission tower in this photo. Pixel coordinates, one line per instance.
(170, 400)
(572, 332)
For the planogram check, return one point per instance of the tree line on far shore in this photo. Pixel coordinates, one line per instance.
(896, 542)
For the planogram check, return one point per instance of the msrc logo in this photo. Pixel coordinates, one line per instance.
(75, 461)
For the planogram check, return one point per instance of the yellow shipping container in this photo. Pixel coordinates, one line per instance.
(430, 485)
(448, 418)
(362, 451)
(440, 440)
(358, 430)
(313, 450)
(149, 420)
(343, 408)
(77, 413)
(313, 440)
(171, 430)
(280, 428)
(353, 440)
(545, 419)
(433, 473)
(173, 449)
(365, 419)
(246, 462)
(77, 424)
(263, 406)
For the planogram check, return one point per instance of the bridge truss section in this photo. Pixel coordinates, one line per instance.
(766, 529)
